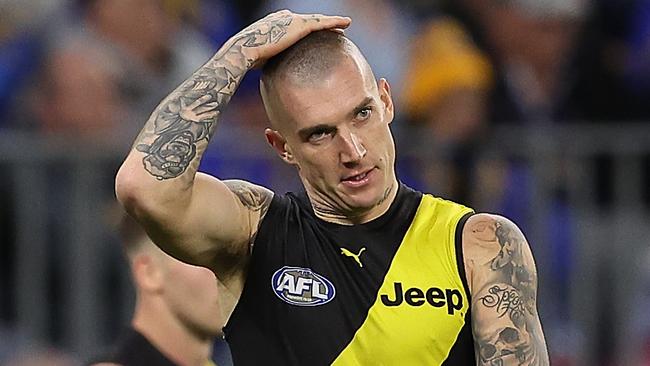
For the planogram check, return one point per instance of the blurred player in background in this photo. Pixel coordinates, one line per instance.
(177, 315)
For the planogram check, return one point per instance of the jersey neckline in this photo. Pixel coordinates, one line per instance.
(402, 192)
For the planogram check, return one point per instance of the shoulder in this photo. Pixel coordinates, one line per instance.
(490, 230)
(492, 243)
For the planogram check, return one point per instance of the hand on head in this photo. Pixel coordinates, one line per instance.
(278, 31)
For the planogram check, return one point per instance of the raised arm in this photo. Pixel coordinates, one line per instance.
(193, 216)
(502, 279)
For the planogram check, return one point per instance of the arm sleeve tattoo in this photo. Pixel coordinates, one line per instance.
(179, 129)
(505, 319)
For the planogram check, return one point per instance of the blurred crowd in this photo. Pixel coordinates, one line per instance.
(93, 70)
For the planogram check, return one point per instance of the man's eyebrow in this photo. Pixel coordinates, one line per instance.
(361, 105)
(304, 133)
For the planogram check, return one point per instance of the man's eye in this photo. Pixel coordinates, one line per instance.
(318, 136)
(364, 114)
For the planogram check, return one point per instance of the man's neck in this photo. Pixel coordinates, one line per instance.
(329, 212)
(169, 336)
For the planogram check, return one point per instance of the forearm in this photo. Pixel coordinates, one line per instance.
(158, 182)
(171, 143)
(166, 154)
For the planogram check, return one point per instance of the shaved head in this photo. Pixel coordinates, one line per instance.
(330, 119)
(307, 62)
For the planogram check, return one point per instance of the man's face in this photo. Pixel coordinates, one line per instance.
(337, 134)
(191, 294)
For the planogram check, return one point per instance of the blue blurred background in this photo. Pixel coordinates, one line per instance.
(534, 109)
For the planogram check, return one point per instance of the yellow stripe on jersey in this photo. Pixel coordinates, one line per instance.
(421, 305)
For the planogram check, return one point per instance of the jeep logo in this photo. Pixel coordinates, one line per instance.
(436, 297)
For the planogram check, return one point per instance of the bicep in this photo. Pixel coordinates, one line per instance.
(503, 285)
(217, 224)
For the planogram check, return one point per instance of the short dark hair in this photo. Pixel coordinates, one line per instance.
(309, 59)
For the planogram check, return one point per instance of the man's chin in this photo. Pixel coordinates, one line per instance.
(362, 201)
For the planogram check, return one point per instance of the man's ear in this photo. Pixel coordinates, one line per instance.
(146, 273)
(387, 99)
(279, 144)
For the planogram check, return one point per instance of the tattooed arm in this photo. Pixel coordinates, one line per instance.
(193, 216)
(502, 279)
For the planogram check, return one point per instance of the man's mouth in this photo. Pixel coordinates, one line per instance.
(356, 178)
(359, 179)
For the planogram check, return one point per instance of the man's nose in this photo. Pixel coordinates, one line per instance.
(353, 149)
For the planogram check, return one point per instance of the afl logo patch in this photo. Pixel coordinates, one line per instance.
(302, 286)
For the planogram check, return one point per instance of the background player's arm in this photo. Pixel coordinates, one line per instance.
(502, 278)
(195, 217)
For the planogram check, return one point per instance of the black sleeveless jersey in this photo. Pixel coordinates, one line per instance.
(388, 292)
(133, 349)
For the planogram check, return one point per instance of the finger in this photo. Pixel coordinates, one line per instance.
(320, 21)
(204, 111)
(202, 100)
(201, 110)
(208, 116)
(330, 22)
(211, 105)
